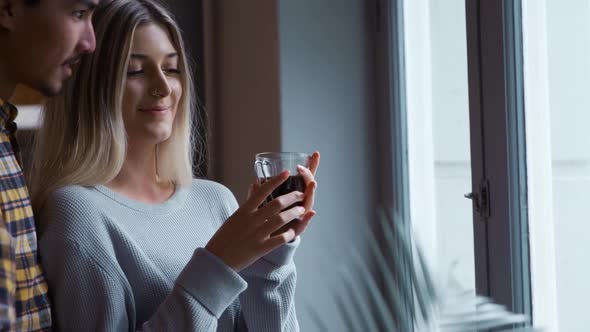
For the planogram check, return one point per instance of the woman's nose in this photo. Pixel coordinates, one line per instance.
(160, 88)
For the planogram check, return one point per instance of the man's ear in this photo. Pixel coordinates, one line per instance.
(7, 17)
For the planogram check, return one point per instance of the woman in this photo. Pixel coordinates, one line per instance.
(121, 215)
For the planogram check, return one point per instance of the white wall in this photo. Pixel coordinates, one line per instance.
(568, 38)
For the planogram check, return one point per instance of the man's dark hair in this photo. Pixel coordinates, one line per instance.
(32, 3)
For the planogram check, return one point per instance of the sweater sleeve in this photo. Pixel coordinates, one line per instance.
(203, 291)
(90, 297)
(268, 304)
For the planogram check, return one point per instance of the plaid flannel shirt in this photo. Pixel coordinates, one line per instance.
(24, 305)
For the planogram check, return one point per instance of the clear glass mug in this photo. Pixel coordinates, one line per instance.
(270, 164)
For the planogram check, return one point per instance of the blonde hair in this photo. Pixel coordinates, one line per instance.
(82, 140)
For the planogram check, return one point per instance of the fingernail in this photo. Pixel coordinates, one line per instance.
(309, 215)
(301, 211)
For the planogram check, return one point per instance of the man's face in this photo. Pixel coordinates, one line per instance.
(46, 40)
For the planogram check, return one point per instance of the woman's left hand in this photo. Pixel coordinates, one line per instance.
(311, 185)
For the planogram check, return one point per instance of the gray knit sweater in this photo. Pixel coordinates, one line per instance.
(114, 264)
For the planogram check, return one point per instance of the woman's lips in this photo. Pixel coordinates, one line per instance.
(155, 110)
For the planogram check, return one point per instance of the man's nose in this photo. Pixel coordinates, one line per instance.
(87, 43)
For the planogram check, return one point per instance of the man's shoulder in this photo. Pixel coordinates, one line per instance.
(8, 163)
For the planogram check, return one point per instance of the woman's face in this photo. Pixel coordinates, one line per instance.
(153, 86)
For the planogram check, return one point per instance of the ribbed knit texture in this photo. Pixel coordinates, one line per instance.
(114, 264)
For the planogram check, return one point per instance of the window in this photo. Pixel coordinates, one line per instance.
(438, 136)
(465, 120)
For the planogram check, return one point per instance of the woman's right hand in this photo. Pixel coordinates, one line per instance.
(249, 233)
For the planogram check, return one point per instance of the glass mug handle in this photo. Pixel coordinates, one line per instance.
(261, 163)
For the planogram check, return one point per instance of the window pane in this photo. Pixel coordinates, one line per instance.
(438, 135)
(557, 78)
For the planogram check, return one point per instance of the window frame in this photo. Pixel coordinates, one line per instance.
(391, 154)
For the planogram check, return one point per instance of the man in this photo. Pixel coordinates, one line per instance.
(40, 43)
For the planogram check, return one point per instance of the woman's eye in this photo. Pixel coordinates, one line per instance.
(134, 72)
(172, 70)
(79, 14)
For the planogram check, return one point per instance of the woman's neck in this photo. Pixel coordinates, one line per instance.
(138, 178)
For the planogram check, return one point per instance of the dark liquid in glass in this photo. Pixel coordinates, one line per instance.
(293, 183)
